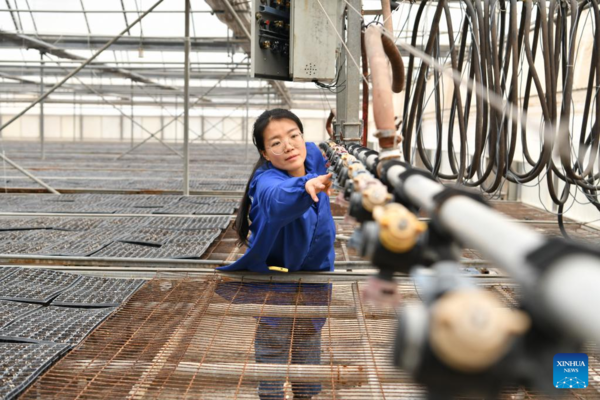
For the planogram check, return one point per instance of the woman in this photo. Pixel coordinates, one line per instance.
(286, 210)
(286, 201)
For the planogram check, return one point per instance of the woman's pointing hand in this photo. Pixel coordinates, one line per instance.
(317, 185)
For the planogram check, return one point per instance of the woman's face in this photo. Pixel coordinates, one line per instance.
(285, 147)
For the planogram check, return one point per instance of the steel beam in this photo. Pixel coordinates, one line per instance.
(341, 97)
(78, 42)
(42, 139)
(35, 43)
(186, 104)
(255, 105)
(32, 11)
(12, 15)
(132, 119)
(29, 174)
(59, 84)
(351, 126)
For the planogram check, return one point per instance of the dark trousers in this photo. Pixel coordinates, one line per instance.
(272, 346)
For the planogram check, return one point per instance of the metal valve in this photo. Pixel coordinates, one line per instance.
(354, 168)
(399, 229)
(375, 195)
(471, 330)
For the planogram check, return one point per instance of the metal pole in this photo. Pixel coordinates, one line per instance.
(132, 116)
(373, 384)
(186, 104)
(43, 154)
(162, 120)
(351, 125)
(246, 127)
(18, 167)
(76, 70)
(81, 122)
(341, 96)
(202, 126)
(121, 128)
(74, 116)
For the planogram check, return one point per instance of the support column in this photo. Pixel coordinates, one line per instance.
(351, 126)
(132, 117)
(341, 97)
(42, 149)
(81, 122)
(186, 104)
(74, 116)
(246, 128)
(162, 120)
(202, 127)
(121, 128)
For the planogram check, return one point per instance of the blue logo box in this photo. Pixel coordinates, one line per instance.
(571, 371)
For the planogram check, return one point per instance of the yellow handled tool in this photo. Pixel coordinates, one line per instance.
(279, 269)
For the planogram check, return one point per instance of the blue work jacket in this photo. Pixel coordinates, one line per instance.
(288, 229)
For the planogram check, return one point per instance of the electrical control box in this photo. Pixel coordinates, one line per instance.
(294, 40)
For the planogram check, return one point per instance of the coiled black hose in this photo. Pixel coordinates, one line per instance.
(498, 41)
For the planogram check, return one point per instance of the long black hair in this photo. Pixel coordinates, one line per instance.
(242, 225)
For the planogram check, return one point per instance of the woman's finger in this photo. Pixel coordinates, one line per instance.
(325, 178)
(311, 191)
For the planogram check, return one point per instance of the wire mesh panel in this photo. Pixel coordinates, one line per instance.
(181, 250)
(176, 250)
(153, 201)
(85, 243)
(186, 338)
(148, 236)
(209, 223)
(49, 236)
(11, 223)
(200, 199)
(92, 291)
(15, 235)
(5, 272)
(40, 222)
(181, 208)
(79, 224)
(19, 247)
(226, 339)
(127, 250)
(208, 235)
(35, 285)
(55, 324)
(224, 209)
(11, 310)
(189, 223)
(21, 363)
(158, 236)
(121, 222)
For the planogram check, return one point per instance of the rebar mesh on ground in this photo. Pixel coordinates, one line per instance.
(224, 339)
(218, 339)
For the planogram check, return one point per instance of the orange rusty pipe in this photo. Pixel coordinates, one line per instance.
(391, 50)
(365, 86)
(388, 23)
(383, 106)
(328, 124)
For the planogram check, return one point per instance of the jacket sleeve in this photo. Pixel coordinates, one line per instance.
(283, 200)
(315, 162)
